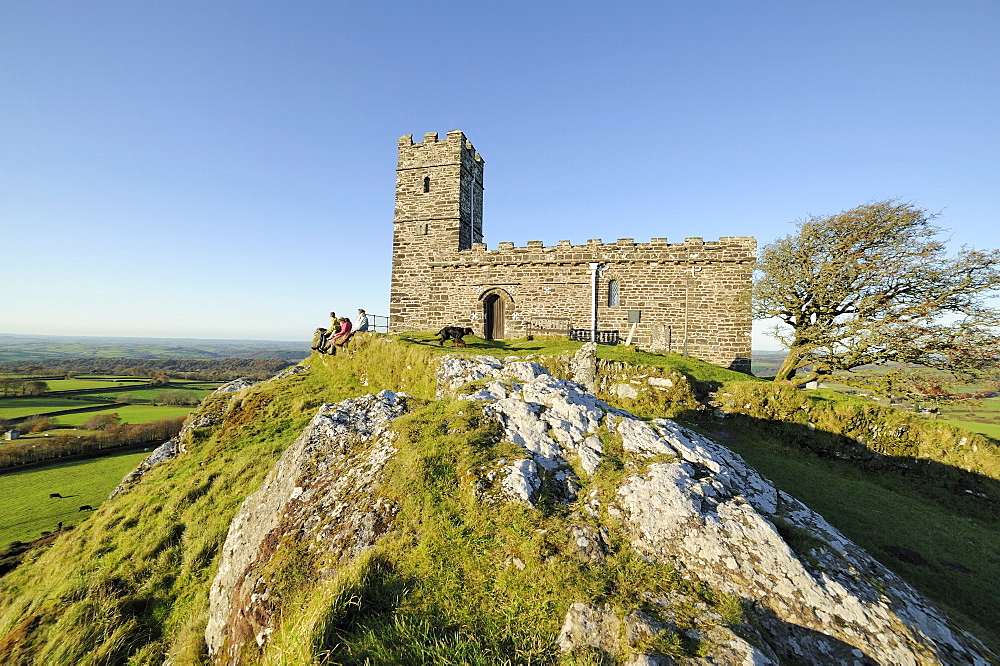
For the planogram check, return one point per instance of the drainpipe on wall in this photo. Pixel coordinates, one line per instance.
(594, 268)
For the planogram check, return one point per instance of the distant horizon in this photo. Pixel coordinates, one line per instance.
(197, 339)
(148, 337)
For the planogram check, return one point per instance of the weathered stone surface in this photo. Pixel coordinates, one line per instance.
(235, 385)
(599, 628)
(699, 506)
(522, 480)
(523, 371)
(288, 372)
(454, 372)
(714, 516)
(318, 498)
(583, 367)
(591, 626)
(624, 390)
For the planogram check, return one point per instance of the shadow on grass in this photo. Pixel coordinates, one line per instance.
(933, 524)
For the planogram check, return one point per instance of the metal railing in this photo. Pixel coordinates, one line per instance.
(603, 337)
(378, 323)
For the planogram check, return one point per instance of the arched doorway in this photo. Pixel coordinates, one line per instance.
(493, 315)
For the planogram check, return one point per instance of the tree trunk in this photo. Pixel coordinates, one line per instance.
(789, 366)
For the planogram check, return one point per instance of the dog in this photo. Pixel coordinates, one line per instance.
(455, 333)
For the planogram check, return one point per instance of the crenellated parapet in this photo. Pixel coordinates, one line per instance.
(433, 151)
(729, 249)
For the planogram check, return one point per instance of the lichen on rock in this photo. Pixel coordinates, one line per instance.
(700, 507)
(319, 499)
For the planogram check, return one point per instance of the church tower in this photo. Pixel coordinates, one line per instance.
(439, 212)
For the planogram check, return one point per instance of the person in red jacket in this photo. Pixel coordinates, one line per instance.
(343, 333)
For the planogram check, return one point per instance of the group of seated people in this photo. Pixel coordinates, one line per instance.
(328, 340)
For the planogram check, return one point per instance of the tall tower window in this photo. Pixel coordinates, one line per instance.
(613, 294)
(427, 183)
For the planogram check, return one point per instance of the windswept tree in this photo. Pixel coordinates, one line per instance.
(874, 285)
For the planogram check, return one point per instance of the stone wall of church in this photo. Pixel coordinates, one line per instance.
(693, 296)
(695, 291)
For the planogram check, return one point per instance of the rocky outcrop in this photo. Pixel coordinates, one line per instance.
(319, 501)
(583, 367)
(599, 628)
(235, 385)
(811, 595)
(817, 597)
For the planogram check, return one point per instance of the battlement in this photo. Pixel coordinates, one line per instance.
(726, 248)
(433, 150)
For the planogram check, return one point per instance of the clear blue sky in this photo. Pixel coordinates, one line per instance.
(226, 169)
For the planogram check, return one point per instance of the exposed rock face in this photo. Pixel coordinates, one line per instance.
(828, 603)
(583, 367)
(236, 385)
(288, 372)
(701, 507)
(317, 499)
(598, 627)
(813, 596)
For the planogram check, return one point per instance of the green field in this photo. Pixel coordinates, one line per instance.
(988, 429)
(79, 384)
(128, 413)
(26, 510)
(194, 384)
(13, 408)
(148, 393)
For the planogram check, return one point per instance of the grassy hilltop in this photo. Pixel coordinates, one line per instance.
(130, 584)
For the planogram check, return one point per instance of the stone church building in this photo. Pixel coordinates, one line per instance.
(691, 297)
